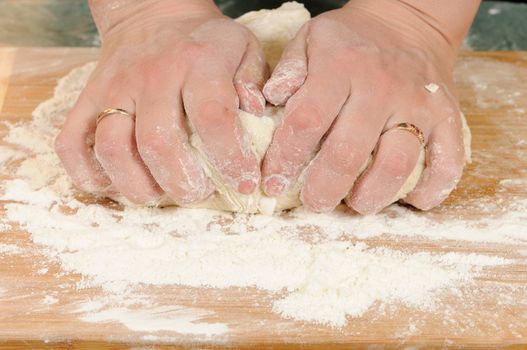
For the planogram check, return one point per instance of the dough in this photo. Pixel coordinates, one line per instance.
(274, 29)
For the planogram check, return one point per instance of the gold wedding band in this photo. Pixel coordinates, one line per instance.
(110, 111)
(411, 128)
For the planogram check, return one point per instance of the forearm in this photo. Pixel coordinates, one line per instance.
(449, 19)
(109, 13)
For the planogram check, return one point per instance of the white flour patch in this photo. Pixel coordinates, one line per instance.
(10, 249)
(513, 182)
(42, 271)
(165, 318)
(49, 300)
(8, 154)
(317, 267)
(495, 83)
(4, 227)
(139, 314)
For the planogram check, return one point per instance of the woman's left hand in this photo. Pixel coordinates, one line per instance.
(348, 76)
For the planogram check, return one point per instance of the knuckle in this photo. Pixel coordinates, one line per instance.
(152, 147)
(306, 118)
(346, 55)
(194, 50)
(151, 69)
(106, 146)
(155, 71)
(449, 172)
(397, 164)
(343, 157)
(386, 81)
(212, 114)
(107, 149)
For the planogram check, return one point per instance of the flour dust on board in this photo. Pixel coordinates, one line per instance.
(318, 268)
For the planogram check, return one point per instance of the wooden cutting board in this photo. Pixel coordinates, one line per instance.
(493, 94)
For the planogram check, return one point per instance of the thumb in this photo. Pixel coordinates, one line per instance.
(290, 73)
(250, 78)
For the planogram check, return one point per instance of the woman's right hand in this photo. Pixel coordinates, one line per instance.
(160, 62)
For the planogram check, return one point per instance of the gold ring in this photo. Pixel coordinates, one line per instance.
(411, 128)
(110, 111)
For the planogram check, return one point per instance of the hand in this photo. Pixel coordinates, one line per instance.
(162, 61)
(349, 75)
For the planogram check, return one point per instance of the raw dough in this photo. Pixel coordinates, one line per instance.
(274, 29)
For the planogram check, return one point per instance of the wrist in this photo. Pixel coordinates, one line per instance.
(437, 26)
(108, 14)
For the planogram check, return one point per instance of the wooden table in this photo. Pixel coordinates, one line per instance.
(493, 93)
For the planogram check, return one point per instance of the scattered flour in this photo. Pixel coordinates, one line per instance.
(513, 182)
(313, 263)
(9, 249)
(49, 300)
(165, 318)
(319, 267)
(42, 271)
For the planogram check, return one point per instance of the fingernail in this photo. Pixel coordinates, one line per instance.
(247, 186)
(276, 94)
(275, 185)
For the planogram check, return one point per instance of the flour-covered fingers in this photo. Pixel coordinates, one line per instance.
(211, 103)
(290, 72)
(343, 155)
(163, 143)
(308, 116)
(394, 160)
(250, 78)
(74, 144)
(445, 158)
(115, 148)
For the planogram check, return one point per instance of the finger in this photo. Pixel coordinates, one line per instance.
(342, 157)
(116, 150)
(308, 116)
(395, 158)
(74, 144)
(211, 104)
(291, 71)
(250, 78)
(444, 165)
(162, 142)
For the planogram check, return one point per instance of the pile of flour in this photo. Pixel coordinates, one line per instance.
(318, 267)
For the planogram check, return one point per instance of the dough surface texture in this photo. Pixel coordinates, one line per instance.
(274, 29)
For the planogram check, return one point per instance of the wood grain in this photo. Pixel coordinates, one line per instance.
(499, 124)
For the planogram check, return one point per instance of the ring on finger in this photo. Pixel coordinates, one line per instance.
(110, 111)
(409, 127)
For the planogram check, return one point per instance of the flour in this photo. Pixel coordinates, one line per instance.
(9, 249)
(49, 300)
(172, 318)
(316, 267)
(324, 278)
